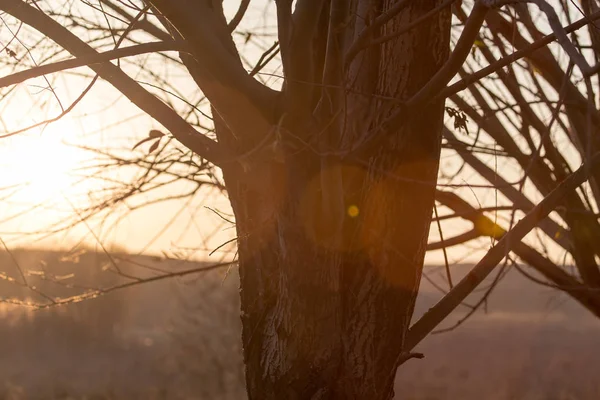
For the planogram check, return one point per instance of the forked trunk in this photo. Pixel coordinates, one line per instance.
(332, 227)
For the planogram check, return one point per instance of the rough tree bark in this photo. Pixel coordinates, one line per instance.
(332, 237)
(332, 186)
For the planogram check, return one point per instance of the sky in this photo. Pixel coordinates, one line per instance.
(48, 160)
(45, 176)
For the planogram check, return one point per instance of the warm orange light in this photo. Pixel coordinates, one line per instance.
(41, 160)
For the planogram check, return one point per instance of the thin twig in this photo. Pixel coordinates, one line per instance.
(446, 305)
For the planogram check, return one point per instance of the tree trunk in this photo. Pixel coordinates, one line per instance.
(332, 226)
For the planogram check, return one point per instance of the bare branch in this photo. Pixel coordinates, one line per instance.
(517, 55)
(457, 58)
(444, 307)
(237, 18)
(130, 88)
(96, 58)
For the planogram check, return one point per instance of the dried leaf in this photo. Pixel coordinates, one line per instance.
(154, 147)
(460, 119)
(155, 134)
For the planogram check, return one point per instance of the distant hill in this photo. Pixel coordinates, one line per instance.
(180, 338)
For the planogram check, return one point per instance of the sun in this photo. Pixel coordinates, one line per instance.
(41, 161)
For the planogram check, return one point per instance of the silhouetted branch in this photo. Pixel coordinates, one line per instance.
(444, 307)
(97, 58)
(138, 95)
(517, 55)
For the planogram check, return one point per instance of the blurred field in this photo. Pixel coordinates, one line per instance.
(180, 339)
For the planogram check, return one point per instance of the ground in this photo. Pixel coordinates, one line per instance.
(179, 339)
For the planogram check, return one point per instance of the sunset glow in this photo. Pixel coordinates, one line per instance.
(47, 167)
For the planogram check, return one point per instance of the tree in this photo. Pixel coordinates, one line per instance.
(332, 175)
